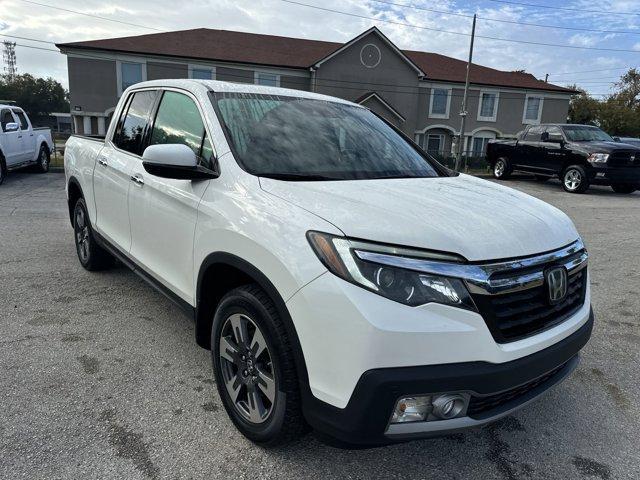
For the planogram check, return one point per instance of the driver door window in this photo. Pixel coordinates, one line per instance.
(179, 121)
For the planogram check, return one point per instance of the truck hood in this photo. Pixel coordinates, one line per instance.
(475, 218)
(604, 147)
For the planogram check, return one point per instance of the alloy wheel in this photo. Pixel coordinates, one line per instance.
(82, 235)
(572, 179)
(43, 160)
(247, 368)
(498, 169)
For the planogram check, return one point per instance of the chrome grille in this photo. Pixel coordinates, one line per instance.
(513, 316)
(624, 158)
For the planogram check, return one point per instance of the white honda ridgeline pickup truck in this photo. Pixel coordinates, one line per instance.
(343, 280)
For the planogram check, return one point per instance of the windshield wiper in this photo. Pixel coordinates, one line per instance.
(300, 177)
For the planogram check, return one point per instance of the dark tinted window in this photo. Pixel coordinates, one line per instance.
(583, 133)
(6, 118)
(179, 121)
(295, 138)
(534, 134)
(24, 125)
(131, 130)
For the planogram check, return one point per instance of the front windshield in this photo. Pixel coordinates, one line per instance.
(583, 133)
(306, 139)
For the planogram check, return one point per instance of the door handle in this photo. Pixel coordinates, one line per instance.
(102, 161)
(137, 179)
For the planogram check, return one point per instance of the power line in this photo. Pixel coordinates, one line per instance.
(421, 27)
(91, 15)
(513, 22)
(539, 5)
(592, 71)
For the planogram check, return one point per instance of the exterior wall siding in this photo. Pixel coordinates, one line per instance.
(158, 70)
(237, 75)
(388, 79)
(92, 84)
(297, 83)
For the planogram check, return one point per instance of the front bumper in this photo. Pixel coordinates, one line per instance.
(365, 419)
(614, 175)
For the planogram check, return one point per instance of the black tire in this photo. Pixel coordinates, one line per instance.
(574, 179)
(501, 168)
(624, 188)
(91, 255)
(44, 159)
(542, 178)
(3, 169)
(284, 421)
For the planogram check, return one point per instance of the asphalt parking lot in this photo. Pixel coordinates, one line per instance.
(101, 377)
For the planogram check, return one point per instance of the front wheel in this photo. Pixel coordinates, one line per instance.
(501, 169)
(44, 158)
(254, 368)
(624, 188)
(575, 179)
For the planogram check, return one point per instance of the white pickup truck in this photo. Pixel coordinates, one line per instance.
(21, 145)
(342, 278)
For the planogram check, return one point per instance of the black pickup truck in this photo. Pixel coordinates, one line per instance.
(580, 155)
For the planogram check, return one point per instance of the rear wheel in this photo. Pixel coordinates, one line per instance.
(43, 159)
(575, 179)
(502, 169)
(254, 368)
(624, 188)
(91, 255)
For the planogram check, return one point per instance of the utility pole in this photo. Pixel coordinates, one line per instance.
(9, 58)
(463, 110)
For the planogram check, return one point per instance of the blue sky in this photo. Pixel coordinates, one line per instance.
(565, 65)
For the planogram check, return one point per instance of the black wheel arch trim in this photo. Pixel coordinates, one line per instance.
(75, 182)
(203, 322)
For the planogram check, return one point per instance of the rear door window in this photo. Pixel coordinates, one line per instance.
(534, 134)
(133, 125)
(179, 121)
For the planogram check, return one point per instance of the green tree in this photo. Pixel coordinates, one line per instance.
(583, 108)
(38, 96)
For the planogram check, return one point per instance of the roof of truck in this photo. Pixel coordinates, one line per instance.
(231, 87)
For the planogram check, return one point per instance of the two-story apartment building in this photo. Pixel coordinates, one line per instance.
(419, 92)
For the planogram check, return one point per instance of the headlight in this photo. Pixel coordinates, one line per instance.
(395, 283)
(598, 157)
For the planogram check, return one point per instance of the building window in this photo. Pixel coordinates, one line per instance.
(479, 143)
(131, 74)
(439, 104)
(488, 106)
(434, 144)
(267, 79)
(532, 110)
(202, 73)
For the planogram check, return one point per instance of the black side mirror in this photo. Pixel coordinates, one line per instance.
(544, 137)
(617, 139)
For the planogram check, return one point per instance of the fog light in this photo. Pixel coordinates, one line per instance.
(600, 175)
(411, 409)
(449, 405)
